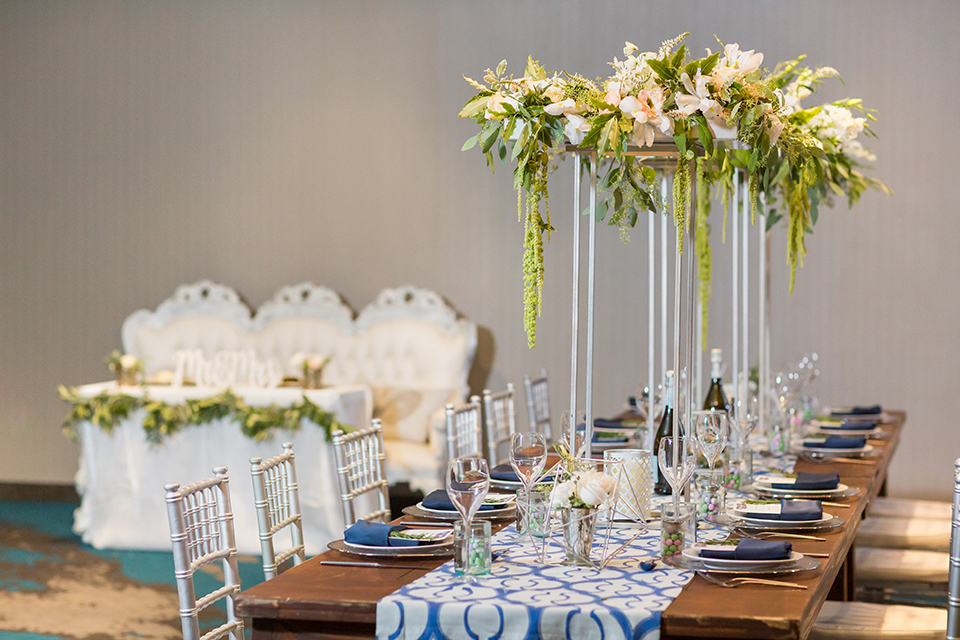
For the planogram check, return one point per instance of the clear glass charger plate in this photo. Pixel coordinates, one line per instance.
(866, 451)
(806, 563)
(418, 511)
(842, 491)
(826, 520)
(785, 526)
(425, 551)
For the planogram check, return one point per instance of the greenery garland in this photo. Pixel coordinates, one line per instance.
(105, 410)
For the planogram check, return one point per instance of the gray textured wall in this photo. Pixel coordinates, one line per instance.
(146, 144)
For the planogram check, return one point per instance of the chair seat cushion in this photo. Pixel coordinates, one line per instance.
(868, 621)
(906, 508)
(901, 566)
(905, 533)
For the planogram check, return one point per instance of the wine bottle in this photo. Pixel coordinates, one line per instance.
(716, 398)
(665, 429)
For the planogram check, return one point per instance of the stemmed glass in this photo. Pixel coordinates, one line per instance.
(745, 419)
(468, 481)
(711, 429)
(578, 448)
(678, 475)
(528, 453)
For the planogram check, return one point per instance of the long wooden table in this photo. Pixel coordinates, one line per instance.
(324, 601)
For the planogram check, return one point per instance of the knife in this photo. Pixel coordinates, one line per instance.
(378, 565)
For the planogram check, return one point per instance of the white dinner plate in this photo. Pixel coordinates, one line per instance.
(739, 510)
(834, 429)
(504, 503)
(693, 553)
(766, 483)
(446, 541)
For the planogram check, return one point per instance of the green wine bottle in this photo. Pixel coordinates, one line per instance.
(665, 429)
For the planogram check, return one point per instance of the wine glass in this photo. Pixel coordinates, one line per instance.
(711, 429)
(528, 453)
(578, 448)
(745, 419)
(686, 452)
(468, 481)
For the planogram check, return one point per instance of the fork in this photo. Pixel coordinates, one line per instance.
(763, 535)
(736, 582)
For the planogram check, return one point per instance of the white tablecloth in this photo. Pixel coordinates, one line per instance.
(121, 474)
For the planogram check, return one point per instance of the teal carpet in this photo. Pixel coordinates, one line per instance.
(53, 586)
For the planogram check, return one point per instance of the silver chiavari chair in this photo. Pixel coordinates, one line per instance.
(361, 469)
(277, 503)
(538, 404)
(464, 430)
(202, 532)
(500, 418)
(867, 621)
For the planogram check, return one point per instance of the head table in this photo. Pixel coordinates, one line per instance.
(121, 474)
(524, 599)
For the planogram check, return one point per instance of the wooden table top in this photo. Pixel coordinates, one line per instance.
(326, 601)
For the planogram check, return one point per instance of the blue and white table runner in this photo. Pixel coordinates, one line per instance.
(524, 599)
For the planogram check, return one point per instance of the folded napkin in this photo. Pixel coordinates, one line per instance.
(858, 411)
(376, 534)
(810, 482)
(607, 423)
(506, 473)
(750, 549)
(854, 425)
(791, 510)
(839, 442)
(440, 501)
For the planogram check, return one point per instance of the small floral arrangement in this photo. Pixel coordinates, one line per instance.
(801, 156)
(585, 490)
(124, 362)
(312, 365)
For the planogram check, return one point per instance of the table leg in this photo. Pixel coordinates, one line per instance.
(844, 586)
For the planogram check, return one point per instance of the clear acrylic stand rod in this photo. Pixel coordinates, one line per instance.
(651, 328)
(591, 262)
(740, 393)
(575, 328)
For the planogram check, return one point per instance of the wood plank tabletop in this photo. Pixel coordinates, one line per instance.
(313, 600)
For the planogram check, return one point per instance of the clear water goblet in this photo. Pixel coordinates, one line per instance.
(468, 481)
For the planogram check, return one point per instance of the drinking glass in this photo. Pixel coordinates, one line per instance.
(711, 430)
(468, 481)
(578, 448)
(528, 453)
(686, 451)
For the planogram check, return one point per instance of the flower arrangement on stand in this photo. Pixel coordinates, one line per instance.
(801, 156)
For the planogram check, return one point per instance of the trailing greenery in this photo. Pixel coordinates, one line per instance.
(161, 419)
(800, 157)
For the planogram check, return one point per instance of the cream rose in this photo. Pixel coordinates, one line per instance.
(596, 487)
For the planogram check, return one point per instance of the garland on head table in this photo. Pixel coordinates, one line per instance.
(105, 410)
(799, 156)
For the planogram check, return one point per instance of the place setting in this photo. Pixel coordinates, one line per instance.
(747, 557)
(437, 505)
(783, 515)
(375, 539)
(800, 485)
(834, 446)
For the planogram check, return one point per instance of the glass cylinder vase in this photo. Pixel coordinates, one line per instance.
(579, 525)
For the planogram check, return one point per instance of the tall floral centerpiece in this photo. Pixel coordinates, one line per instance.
(788, 153)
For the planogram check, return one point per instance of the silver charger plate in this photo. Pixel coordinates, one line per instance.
(777, 525)
(433, 551)
(829, 494)
(806, 563)
(509, 513)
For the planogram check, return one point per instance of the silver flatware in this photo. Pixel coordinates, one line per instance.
(377, 565)
(736, 582)
(762, 535)
(445, 525)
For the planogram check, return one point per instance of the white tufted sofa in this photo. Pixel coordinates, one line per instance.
(408, 346)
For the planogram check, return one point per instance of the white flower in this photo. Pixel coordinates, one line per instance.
(697, 97)
(494, 105)
(596, 487)
(128, 361)
(316, 361)
(856, 150)
(576, 128)
(562, 494)
(560, 108)
(297, 360)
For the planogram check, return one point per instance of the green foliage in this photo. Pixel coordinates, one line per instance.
(162, 419)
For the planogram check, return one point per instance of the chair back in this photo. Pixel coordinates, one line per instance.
(953, 589)
(361, 469)
(277, 502)
(500, 419)
(202, 532)
(538, 404)
(464, 430)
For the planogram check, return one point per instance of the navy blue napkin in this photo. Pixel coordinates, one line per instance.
(440, 501)
(792, 510)
(607, 423)
(853, 425)
(505, 473)
(750, 549)
(875, 410)
(810, 482)
(376, 534)
(839, 442)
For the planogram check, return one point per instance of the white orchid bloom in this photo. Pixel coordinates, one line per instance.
(576, 128)
(629, 49)
(561, 108)
(744, 61)
(494, 105)
(633, 108)
(697, 97)
(643, 133)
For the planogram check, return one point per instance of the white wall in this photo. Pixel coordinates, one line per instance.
(144, 145)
